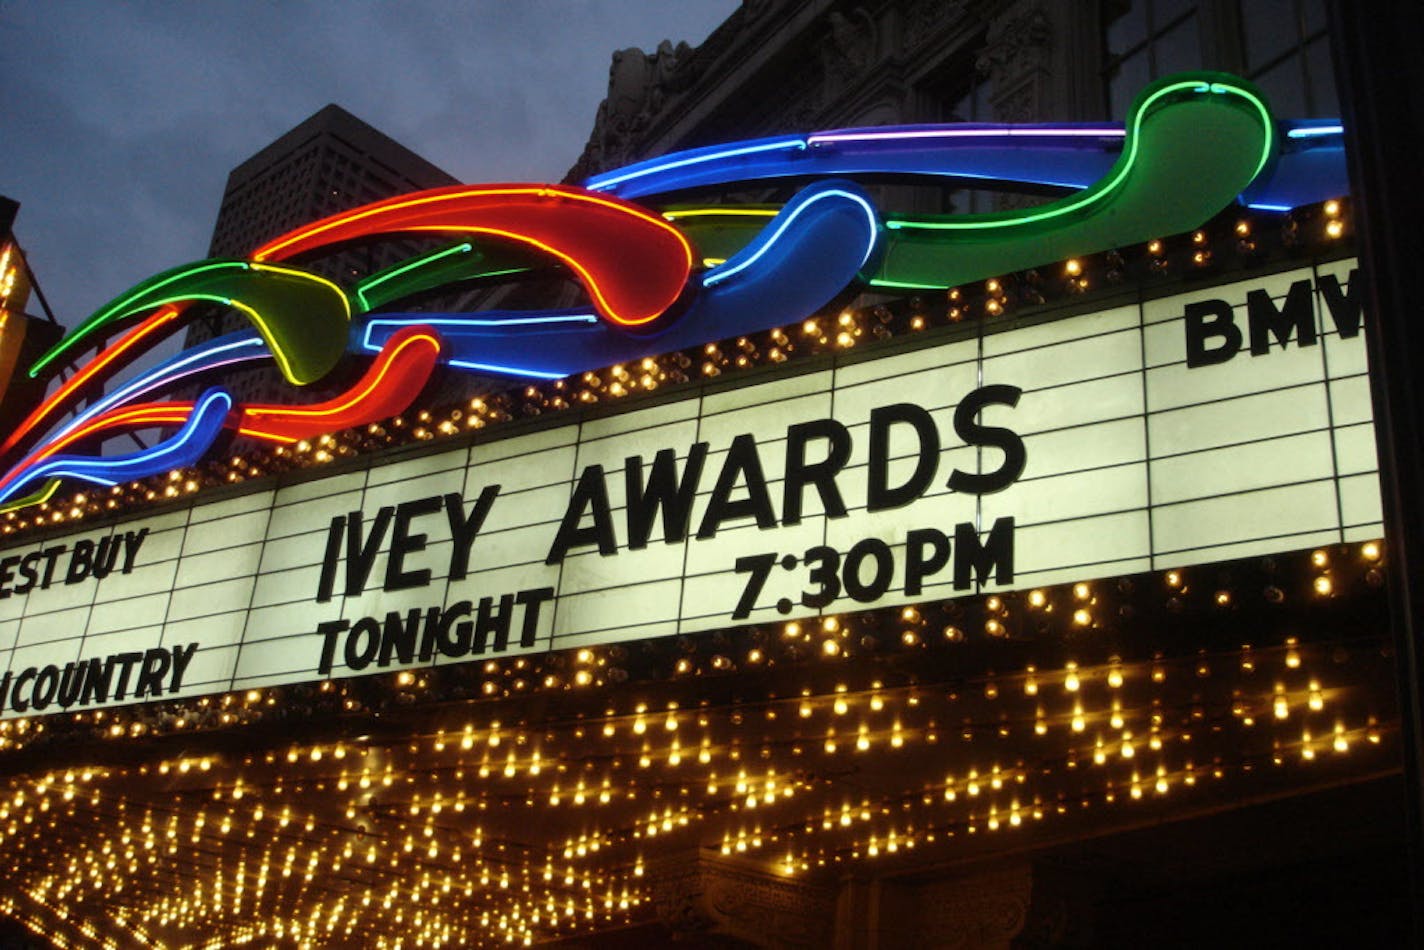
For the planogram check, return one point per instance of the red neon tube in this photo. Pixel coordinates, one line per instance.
(390, 385)
(633, 263)
(105, 358)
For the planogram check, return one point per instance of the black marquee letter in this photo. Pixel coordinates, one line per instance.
(327, 582)
(821, 474)
(926, 552)
(995, 437)
(1199, 330)
(465, 528)
(662, 492)
(1296, 313)
(742, 462)
(361, 557)
(403, 543)
(973, 559)
(1344, 306)
(591, 495)
(878, 495)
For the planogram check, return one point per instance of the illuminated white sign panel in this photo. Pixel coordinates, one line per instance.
(1225, 422)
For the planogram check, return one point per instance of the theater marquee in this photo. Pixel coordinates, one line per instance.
(1223, 422)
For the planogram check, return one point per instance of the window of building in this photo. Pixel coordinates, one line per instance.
(1145, 39)
(1281, 45)
(1287, 53)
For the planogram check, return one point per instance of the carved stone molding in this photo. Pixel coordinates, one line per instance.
(639, 86)
(849, 46)
(711, 901)
(699, 894)
(924, 18)
(973, 913)
(1017, 54)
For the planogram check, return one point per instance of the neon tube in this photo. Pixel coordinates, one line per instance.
(140, 297)
(38, 497)
(240, 347)
(763, 244)
(1124, 166)
(596, 236)
(971, 132)
(302, 316)
(455, 324)
(718, 153)
(142, 416)
(401, 270)
(88, 371)
(223, 351)
(390, 385)
(184, 448)
(460, 333)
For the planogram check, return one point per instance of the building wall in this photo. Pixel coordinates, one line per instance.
(786, 65)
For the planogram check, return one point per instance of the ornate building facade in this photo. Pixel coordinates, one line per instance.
(422, 708)
(782, 66)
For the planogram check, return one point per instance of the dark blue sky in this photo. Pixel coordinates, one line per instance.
(120, 121)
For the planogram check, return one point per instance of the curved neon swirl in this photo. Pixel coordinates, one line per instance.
(774, 232)
(1063, 155)
(464, 337)
(1124, 167)
(766, 267)
(389, 386)
(1138, 198)
(244, 346)
(1141, 198)
(106, 358)
(811, 252)
(143, 416)
(182, 283)
(184, 448)
(234, 348)
(595, 236)
(38, 497)
(302, 316)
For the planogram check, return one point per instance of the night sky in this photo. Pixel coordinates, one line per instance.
(119, 122)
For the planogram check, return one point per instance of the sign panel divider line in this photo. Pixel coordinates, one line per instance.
(979, 449)
(687, 548)
(559, 573)
(1146, 429)
(173, 581)
(1319, 318)
(252, 593)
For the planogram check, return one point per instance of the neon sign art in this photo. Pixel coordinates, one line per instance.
(659, 274)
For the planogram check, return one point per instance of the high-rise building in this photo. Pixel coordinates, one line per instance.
(329, 162)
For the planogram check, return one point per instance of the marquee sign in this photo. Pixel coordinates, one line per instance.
(1218, 423)
(659, 275)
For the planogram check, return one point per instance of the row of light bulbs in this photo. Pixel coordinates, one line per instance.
(993, 298)
(751, 789)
